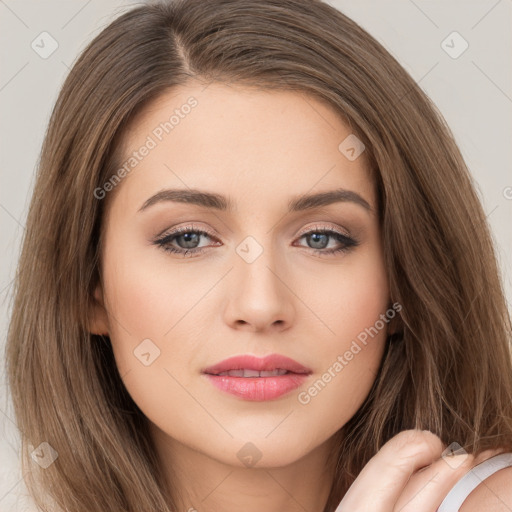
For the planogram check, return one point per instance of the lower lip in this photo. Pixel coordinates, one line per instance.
(258, 389)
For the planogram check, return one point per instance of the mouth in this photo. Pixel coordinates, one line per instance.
(253, 373)
(257, 379)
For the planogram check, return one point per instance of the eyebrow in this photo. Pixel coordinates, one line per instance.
(222, 203)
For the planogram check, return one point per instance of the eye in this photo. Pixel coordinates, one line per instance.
(186, 238)
(318, 240)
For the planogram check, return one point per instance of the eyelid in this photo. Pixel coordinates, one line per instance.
(323, 227)
(186, 228)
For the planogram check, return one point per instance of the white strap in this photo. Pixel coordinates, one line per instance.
(461, 490)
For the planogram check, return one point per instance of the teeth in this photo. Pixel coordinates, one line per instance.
(273, 373)
(250, 373)
(254, 373)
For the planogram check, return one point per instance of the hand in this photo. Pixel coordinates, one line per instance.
(408, 474)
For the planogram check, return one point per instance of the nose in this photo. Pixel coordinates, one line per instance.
(260, 296)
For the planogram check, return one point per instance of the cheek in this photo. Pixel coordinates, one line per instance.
(151, 333)
(348, 369)
(350, 352)
(152, 337)
(347, 299)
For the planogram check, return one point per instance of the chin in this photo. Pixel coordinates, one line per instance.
(262, 453)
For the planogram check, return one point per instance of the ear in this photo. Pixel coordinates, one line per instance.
(98, 323)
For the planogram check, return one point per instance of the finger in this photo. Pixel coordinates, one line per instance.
(427, 488)
(382, 480)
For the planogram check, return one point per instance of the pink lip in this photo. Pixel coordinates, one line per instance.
(258, 388)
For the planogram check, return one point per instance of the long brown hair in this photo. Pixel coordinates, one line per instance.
(448, 366)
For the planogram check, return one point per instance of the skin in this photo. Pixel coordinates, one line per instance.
(260, 149)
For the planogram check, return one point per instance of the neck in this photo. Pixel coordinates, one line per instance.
(202, 483)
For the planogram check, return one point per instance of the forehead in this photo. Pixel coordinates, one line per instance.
(248, 139)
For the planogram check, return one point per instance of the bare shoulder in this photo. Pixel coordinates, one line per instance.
(494, 494)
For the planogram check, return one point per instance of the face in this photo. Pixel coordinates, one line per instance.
(213, 251)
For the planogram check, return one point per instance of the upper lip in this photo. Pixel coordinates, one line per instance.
(250, 362)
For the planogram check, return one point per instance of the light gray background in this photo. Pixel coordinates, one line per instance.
(473, 92)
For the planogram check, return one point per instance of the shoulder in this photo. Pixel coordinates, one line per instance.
(494, 494)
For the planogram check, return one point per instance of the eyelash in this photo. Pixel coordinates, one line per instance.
(164, 241)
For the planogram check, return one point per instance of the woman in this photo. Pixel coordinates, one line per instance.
(256, 274)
